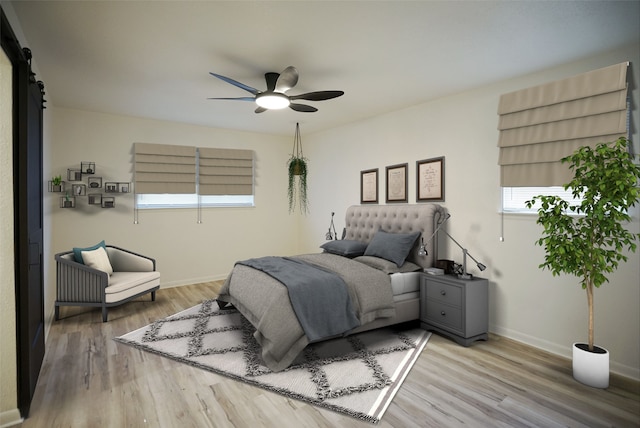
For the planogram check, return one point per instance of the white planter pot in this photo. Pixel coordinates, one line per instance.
(591, 368)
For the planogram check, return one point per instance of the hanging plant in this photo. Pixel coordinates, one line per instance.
(297, 171)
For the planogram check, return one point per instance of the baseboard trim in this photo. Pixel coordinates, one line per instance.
(10, 418)
(191, 281)
(563, 351)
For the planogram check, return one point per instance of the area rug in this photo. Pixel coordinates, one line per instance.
(356, 375)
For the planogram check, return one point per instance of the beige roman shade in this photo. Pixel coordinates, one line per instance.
(541, 125)
(163, 168)
(225, 171)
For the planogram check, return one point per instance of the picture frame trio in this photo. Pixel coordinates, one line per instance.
(429, 182)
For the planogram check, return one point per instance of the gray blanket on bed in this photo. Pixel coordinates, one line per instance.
(319, 297)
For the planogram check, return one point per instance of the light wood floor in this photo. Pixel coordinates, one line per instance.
(89, 380)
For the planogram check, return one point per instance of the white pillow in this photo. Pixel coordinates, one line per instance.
(98, 259)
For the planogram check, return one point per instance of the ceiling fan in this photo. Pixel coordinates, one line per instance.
(275, 96)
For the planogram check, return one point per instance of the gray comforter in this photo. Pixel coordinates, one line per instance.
(319, 297)
(265, 302)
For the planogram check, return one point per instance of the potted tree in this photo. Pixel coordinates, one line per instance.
(297, 173)
(589, 240)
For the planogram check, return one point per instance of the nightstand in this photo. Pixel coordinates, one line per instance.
(457, 308)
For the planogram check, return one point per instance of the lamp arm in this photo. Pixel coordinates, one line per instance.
(465, 253)
(437, 229)
(461, 247)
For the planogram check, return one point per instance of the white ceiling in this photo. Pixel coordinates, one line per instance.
(153, 58)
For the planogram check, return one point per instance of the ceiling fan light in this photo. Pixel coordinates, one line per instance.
(272, 101)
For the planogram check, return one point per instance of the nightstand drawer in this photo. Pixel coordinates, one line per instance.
(443, 314)
(445, 293)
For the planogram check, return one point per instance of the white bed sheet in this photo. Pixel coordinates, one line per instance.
(405, 286)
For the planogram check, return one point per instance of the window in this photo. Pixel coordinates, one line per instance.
(181, 200)
(514, 198)
(168, 176)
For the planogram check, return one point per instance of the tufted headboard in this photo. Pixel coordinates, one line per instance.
(363, 221)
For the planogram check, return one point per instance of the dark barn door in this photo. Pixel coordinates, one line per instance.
(27, 103)
(30, 287)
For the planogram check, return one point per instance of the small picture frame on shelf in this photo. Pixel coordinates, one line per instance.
(95, 199)
(78, 189)
(94, 182)
(108, 202)
(88, 167)
(74, 174)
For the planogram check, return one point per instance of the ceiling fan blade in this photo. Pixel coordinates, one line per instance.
(317, 96)
(247, 88)
(271, 79)
(302, 107)
(261, 109)
(236, 99)
(287, 79)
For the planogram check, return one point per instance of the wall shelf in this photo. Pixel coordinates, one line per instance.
(88, 167)
(53, 188)
(67, 201)
(117, 187)
(78, 189)
(108, 202)
(75, 189)
(94, 182)
(74, 174)
(95, 199)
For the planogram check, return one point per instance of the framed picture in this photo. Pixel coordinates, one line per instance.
(397, 183)
(430, 180)
(369, 186)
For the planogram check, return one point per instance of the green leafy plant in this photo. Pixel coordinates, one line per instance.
(297, 189)
(589, 240)
(57, 180)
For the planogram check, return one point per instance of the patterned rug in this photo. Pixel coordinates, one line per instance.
(356, 375)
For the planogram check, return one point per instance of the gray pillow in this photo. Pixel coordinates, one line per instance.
(345, 248)
(386, 266)
(394, 247)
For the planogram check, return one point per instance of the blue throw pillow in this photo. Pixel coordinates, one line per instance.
(77, 252)
(345, 247)
(394, 247)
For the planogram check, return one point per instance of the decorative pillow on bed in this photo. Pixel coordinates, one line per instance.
(77, 252)
(346, 248)
(98, 259)
(394, 247)
(386, 266)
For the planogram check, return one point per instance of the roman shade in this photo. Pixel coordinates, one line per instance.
(542, 124)
(225, 171)
(163, 168)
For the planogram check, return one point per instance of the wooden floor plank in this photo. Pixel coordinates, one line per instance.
(88, 379)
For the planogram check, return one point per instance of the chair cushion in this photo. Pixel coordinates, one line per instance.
(77, 252)
(97, 259)
(123, 285)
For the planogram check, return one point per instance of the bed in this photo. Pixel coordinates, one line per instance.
(382, 286)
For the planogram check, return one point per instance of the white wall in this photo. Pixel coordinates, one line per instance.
(526, 303)
(186, 252)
